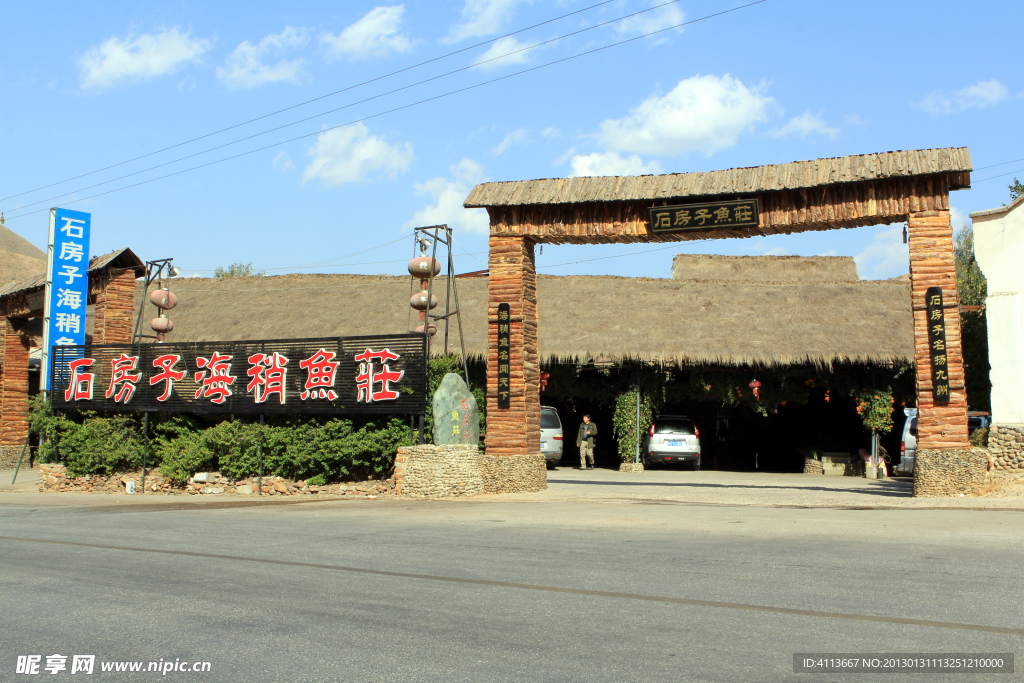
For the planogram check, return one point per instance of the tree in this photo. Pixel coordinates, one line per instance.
(1016, 189)
(972, 289)
(238, 270)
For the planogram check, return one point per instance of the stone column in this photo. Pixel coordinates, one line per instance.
(940, 427)
(113, 311)
(513, 280)
(14, 418)
(513, 462)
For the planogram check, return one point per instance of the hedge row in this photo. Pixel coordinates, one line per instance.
(317, 449)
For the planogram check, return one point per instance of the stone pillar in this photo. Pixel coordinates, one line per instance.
(14, 417)
(113, 311)
(940, 427)
(513, 280)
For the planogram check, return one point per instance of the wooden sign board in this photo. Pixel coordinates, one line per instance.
(504, 356)
(741, 213)
(937, 345)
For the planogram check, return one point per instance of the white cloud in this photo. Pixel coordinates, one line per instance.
(501, 51)
(549, 132)
(375, 35)
(704, 113)
(804, 125)
(244, 68)
(512, 138)
(481, 18)
(611, 163)
(958, 218)
(139, 58)
(763, 247)
(282, 161)
(655, 20)
(350, 154)
(885, 256)
(448, 195)
(978, 96)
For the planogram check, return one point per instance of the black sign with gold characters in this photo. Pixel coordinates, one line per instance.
(742, 213)
(937, 345)
(504, 355)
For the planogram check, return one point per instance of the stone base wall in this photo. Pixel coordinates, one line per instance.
(430, 471)
(9, 457)
(1006, 444)
(631, 467)
(949, 473)
(812, 466)
(514, 473)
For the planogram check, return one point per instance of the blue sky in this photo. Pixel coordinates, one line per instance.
(89, 85)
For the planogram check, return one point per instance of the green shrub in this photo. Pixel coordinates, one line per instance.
(101, 445)
(979, 437)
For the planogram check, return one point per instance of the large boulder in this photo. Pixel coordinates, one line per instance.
(456, 416)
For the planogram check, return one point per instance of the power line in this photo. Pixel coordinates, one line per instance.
(337, 109)
(674, 245)
(408, 106)
(315, 99)
(1000, 175)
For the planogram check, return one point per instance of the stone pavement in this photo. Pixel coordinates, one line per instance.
(28, 480)
(749, 488)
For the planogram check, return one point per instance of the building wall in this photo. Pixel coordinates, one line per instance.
(998, 246)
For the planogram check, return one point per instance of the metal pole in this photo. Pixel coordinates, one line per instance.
(18, 468)
(145, 447)
(448, 289)
(421, 430)
(259, 447)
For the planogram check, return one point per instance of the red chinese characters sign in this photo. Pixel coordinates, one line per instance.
(374, 374)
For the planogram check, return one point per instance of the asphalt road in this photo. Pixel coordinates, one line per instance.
(503, 590)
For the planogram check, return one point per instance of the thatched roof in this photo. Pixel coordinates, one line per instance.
(19, 258)
(581, 317)
(773, 177)
(120, 258)
(764, 268)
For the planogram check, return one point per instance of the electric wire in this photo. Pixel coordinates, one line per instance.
(408, 106)
(315, 99)
(341, 108)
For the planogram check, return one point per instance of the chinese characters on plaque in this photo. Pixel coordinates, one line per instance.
(67, 279)
(504, 355)
(727, 214)
(937, 344)
(350, 374)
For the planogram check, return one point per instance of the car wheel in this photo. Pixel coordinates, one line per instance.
(696, 464)
(550, 464)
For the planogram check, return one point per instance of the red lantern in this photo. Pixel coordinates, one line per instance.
(755, 385)
(544, 376)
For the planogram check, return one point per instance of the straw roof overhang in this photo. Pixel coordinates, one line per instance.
(121, 258)
(953, 163)
(25, 297)
(582, 318)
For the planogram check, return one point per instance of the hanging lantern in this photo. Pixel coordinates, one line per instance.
(424, 266)
(431, 330)
(163, 299)
(755, 385)
(419, 301)
(162, 325)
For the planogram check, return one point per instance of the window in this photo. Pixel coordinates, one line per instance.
(549, 420)
(673, 425)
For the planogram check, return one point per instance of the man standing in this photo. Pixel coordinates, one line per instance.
(585, 442)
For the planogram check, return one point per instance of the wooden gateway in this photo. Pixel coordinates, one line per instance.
(823, 194)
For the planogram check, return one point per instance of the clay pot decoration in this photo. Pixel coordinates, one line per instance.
(163, 324)
(421, 266)
(431, 330)
(419, 301)
(163, 298)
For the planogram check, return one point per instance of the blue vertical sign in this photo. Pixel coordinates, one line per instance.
(67, 284)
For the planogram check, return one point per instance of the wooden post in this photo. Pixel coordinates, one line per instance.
(113, 311)
(14, 421)
(940, 426)
(513, 280)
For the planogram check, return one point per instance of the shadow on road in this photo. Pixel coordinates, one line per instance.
(888, 487)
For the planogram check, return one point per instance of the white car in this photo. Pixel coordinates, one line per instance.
(672, 438)
(908, 443)
(551, 441)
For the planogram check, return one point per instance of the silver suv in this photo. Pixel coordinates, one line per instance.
(672, 438)
(551, 441)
